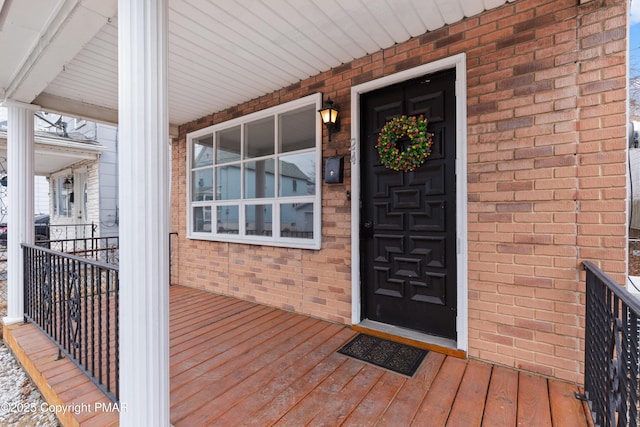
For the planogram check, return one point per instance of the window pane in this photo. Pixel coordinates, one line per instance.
(203, 151)
(258, 137)
(297, 175)
(228, 182)
(296, 220)
(258, 179)
(202, 219)
(227, 219)
(228, 145)
(202, 185)
(259, 220)
(298, 129)
(65, 198)
(255, 179)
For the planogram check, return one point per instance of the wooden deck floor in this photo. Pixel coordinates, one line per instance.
(238, 363)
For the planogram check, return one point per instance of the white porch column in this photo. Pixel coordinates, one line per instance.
(144, 213)
(20, 198)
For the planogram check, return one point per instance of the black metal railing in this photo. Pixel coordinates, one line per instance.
(70, 231)
(171, 259)
(74, 300)
(612, 336)
(103, 249)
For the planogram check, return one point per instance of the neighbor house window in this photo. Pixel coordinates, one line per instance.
(254, 179)
(62, 198)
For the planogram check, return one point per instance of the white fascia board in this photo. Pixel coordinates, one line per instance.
(69, 146)
(68, 32)
(74, 148)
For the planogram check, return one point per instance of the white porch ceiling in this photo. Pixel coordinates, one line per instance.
(62, 54)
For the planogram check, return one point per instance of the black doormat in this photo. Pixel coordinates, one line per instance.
(394, 356)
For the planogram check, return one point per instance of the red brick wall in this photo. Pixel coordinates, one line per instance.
(313, 282)
(547, 186)
(546, 181)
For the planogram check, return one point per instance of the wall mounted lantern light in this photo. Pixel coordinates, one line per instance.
(67, 184)
(329, 114)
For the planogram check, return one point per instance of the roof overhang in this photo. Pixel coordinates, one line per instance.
(62, 54)
(53, 154)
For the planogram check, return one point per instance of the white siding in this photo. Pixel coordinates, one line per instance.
(108, 177)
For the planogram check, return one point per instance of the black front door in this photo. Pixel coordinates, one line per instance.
(408, 219)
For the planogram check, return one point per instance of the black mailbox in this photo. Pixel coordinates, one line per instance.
(333, 170)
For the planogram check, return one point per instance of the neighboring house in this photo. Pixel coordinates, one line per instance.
(53, 154)
(86, 192)
(81, 170)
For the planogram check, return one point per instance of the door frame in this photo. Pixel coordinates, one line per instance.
(459, 63)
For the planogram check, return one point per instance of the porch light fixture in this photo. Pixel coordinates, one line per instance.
(329, 114)
(67, 184)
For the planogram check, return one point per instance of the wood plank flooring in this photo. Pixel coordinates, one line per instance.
(236, 363)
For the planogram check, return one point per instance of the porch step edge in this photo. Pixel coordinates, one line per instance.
(49, 393)
(38, 378)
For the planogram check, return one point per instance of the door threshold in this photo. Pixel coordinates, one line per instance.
(410, 337)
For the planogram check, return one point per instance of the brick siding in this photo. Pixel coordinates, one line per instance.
(546, 181)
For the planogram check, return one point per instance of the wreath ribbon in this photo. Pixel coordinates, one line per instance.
(409, 159)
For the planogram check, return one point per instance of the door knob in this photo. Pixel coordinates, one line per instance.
(367, 228)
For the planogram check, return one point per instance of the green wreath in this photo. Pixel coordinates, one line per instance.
(409, 159)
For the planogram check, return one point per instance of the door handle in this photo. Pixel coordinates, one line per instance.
(367, 228)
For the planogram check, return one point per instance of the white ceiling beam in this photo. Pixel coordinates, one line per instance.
(73, 108)
(82, 110)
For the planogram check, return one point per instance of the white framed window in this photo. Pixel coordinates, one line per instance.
(63, 196)
(254, 179)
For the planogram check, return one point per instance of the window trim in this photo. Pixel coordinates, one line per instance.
(276, 201)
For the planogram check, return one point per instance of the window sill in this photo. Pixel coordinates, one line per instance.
(313, 244)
